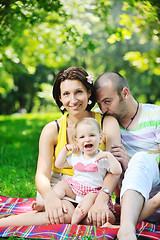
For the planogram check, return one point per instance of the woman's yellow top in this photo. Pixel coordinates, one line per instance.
(62, 140)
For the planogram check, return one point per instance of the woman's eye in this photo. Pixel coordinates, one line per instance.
(65, 94)
(79, 91)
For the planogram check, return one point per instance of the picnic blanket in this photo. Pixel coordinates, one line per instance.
(64, 231)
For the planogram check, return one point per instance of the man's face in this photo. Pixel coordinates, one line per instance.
(110, 102)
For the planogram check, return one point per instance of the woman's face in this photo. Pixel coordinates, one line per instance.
(74, 96)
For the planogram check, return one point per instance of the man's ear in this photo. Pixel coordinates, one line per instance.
(101, 138)
(125, 93)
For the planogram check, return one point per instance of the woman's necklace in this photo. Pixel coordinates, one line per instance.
(131, 118)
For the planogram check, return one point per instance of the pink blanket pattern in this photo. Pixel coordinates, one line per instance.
(63, 231)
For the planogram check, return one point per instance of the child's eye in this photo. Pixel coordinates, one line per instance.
(92, 135)
(82, 137)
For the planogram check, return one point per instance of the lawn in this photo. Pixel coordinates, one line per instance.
(19, 137)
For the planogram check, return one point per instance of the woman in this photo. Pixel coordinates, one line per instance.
(74, 92)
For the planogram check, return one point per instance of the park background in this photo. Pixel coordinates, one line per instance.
(39, 38)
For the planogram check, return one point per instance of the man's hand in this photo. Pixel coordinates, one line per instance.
(120, 153)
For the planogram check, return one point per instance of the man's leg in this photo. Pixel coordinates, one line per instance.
(141, 175)
(131, 206)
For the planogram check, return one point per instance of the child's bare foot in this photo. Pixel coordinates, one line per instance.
(78, 214)
(38, 206)
(109, 225)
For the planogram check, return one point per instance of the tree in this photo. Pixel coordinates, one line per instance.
(98, 35)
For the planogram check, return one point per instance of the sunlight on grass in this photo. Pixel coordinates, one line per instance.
(19, 152)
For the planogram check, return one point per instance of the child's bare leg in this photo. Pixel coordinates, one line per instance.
(83, 208)
(62, 189)
(150, 207)
(34, 218)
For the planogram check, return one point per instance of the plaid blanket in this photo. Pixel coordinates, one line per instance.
(63, 231)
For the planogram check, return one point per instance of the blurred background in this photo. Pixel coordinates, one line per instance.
(39, 38)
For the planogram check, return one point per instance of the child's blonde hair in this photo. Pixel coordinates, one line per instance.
(89, 121)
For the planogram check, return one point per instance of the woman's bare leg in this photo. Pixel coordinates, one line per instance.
(24, 219)
(150, 207)
(35, 218)
(62, 189)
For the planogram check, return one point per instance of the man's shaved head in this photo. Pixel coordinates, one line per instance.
(118, 81)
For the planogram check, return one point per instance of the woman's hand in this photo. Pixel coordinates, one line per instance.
(98, 214)
(120, 153)
(54, 208)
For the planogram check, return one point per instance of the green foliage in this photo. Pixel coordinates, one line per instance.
(27, 87)
(15, 16)
(39, 38)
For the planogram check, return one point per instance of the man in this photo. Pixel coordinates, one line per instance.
(139, 152)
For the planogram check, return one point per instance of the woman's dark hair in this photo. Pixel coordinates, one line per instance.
(73, 73)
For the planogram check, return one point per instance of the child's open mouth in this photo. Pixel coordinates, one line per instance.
(88, 146)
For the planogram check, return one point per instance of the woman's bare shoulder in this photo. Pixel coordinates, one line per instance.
(110, 120)
(50, 130)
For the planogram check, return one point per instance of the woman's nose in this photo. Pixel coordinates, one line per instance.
(73, 99)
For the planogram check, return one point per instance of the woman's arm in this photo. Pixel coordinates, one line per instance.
(111, 132)
(48, 140)
(99, 212)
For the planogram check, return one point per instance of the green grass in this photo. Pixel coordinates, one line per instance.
(19, 137)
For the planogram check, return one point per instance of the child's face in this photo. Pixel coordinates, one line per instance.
(88, 138)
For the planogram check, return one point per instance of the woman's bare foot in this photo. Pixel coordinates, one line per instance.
(39, 207)
(109, 225)
(78, 215)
